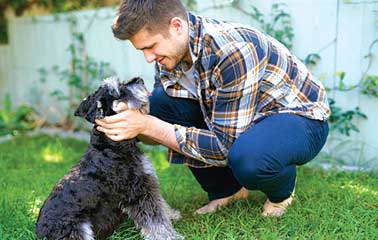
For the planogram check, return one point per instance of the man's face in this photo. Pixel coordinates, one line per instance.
(168, 49)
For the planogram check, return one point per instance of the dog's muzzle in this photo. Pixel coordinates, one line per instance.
(99, 111)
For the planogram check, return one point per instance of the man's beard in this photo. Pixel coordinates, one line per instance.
(184, 56)
(180, 56)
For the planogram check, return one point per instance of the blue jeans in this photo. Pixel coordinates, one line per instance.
(263, 158)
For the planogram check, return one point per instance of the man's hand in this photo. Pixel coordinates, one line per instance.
(130, 123)
(127, 124)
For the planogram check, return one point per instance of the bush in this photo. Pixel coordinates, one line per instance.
(14, 120)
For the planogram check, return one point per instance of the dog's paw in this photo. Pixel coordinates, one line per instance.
(160, 232)
(174, 214)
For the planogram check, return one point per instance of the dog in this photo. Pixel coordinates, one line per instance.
(112, 180)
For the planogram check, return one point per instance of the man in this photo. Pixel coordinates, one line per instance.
(230, 102)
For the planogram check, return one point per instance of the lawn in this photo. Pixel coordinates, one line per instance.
(329, 204)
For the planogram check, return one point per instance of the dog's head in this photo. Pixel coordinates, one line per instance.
(100, 104)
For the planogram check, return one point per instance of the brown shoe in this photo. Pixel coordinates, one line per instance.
(214, 205)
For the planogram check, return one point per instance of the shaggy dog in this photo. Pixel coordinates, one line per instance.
(113, 179)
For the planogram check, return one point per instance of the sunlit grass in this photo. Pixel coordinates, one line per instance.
(329, 205)
(51, 156)
(358, 189)
(34, 207)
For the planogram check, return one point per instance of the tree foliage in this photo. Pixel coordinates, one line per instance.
(19, 7)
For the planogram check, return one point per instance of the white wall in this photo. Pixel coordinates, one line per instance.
(340, 32)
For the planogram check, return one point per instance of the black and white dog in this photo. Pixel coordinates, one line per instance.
(112, 180)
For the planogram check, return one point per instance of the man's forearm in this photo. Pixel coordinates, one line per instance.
(161, 132)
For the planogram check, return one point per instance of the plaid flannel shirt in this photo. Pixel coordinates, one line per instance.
(242, 75)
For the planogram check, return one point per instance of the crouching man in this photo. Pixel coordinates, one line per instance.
(230, 102)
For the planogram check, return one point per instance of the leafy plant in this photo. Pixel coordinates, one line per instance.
(312, 59)
(341, 85)
(19, 7)
(278, 24)
(3, 26)
(342, 121)
(369, 85)
(14, 120)
(190, 4)
(82, 77)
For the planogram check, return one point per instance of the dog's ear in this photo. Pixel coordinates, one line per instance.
(140, 92)
(135, 81)
(135, 93)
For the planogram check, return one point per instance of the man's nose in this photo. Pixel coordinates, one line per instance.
(149, 56)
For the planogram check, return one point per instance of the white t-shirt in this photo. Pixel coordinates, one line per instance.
(187, 81)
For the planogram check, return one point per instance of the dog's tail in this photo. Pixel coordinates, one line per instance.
(86, 231)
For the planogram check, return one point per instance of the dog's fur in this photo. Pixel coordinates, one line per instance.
(113, 179)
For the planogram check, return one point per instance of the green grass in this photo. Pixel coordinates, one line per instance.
(329, 205)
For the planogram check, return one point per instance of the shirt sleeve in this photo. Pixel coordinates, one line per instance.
(237, 72)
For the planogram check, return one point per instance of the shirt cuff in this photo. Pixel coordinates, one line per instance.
(191, 151)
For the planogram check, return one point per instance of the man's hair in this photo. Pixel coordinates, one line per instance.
(154, 15)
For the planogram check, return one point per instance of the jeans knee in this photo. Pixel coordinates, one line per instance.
(186, 112)
(245, 167)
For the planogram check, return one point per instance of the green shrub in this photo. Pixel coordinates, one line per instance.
(342, 121)
(369, 85)
(15, 120)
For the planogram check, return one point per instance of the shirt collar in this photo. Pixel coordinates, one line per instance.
(195, 35)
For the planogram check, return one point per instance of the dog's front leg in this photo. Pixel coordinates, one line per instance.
(173, 214)
(149, 215)
(148, 169)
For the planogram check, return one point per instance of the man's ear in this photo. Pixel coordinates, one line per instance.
(176, 24)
